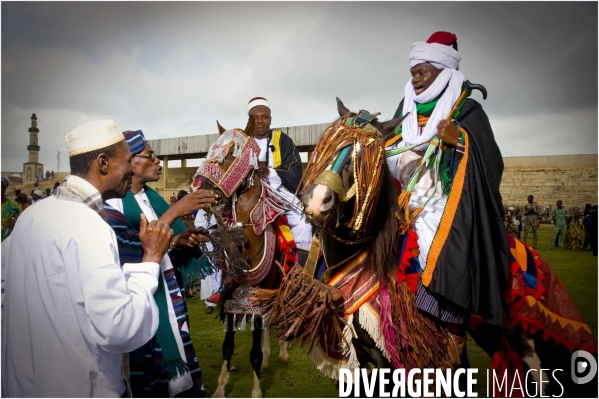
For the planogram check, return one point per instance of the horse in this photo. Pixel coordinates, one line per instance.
(246, 236)
(352, 201)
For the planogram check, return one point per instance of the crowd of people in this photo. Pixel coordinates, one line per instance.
(572, 230)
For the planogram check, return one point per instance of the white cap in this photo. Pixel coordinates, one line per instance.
(256, 101)
(92, 136)
(37, 192)
(511, 208)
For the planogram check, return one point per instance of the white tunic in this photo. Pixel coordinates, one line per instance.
(402, 167)
(300, 229)
(69, 309)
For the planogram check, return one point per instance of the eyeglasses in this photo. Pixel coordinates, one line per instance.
(151, 156)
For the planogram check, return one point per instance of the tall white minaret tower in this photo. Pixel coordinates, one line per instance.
(32, 167)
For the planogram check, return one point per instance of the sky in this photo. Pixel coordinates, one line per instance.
(173, 69)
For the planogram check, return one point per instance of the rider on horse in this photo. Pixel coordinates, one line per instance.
(280, 161)
(463, 247)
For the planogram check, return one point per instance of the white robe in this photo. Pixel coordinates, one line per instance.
(69, 309)
(300, 229)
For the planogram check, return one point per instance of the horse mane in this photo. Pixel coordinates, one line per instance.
(383, 251)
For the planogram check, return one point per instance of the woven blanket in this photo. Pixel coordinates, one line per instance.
(539, 301)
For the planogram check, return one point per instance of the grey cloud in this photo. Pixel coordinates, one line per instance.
(172, 69)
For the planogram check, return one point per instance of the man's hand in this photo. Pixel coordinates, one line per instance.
(155, 239)
(190, 238)
(448, 132)
(199, 199)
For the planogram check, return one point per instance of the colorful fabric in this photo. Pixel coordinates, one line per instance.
(10, 211)
(285, 242)
(530, 223)
(560, 216)
(540, 302)
(245, 152)
(191, 269)
(152, 366)
(287, 161)
(136, 141)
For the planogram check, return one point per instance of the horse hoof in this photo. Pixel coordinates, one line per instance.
(219, 393)
(284, 359)
(257, 394)
(263, 369)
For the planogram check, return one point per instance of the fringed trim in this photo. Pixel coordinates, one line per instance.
(176, 368)
(329, 367)
(369, 321)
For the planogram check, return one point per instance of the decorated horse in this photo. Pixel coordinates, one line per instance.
(356, 303)
(250, 235)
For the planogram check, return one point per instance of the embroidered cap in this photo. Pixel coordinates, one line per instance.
(136, 140)
(254, 102)
(92, 136)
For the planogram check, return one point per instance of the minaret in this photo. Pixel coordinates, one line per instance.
(33, 148)
(32, 167)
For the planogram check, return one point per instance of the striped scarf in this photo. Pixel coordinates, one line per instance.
(78, 190)
(157, 368)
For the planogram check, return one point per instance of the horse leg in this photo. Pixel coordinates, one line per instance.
(283, 355)
(256, 357)
(228, 349)
(265, 350)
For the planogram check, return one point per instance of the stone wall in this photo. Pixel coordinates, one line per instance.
(570, 178)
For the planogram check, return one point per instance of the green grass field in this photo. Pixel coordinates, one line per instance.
(300, 378)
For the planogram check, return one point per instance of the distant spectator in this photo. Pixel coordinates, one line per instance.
(559, 216)
(52, 175)
(587, 210)
(593, 216)
(42, 175)
(531, 213)
(10, 211)
(48, 193)
(181, 194)
(36, 196)
(37, 181)
(55, 187)
(17, 193)
(47, 175)
(173, 199)
(23, 201)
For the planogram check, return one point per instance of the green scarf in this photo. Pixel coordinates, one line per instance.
(426, 109)
(191, 269)
(165, 335)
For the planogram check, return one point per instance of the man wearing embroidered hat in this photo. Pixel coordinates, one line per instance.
(69, 309)
(463, 245)
(167, 365)
(280, 162)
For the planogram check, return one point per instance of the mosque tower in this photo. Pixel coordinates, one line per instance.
(32, 168)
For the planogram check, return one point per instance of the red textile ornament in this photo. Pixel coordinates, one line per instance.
(446, 38)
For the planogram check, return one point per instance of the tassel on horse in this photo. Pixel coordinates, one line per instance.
(407, 217)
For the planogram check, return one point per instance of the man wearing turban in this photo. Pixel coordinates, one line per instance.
(463, 246)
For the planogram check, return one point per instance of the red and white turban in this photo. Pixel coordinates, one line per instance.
(256, 101)
(436, 51)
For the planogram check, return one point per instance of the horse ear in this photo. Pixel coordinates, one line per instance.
(249, 129)
(221, 129)
(341, 108)
(390, 125)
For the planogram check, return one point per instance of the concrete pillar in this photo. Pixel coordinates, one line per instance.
(184, 163)
(164, 171)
